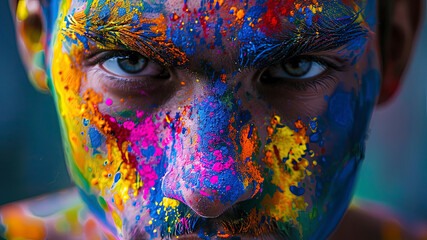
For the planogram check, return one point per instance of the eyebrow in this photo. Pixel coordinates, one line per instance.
(324, 35)
(123, 32)
(113, 30)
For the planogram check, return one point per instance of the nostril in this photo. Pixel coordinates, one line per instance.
(208, 202)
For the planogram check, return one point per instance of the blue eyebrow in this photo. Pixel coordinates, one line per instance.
(324, 35)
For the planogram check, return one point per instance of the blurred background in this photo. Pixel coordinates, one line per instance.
(394, 172)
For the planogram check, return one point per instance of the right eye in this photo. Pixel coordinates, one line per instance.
(296, 69)
(132, 65)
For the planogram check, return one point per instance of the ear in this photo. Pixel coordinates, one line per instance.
(31, 38)
(398, 27)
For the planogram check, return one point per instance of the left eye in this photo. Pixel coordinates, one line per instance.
(132, 64)
(295, 69)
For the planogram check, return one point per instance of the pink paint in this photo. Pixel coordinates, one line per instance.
(139, 114)
(108, 102)
(214, 179)
(203, 193)
(218, 155)
(129, 125)
(228, 188)
(145, 134)
(219, 167)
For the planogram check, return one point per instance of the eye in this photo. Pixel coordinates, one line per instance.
(298, 68)
(132, 64)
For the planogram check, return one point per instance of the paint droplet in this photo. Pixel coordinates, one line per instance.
(108, 102)
(204, 193)
(297, 191)
(240, 14)
(214, 179)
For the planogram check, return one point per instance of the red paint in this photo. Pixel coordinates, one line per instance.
(276, 152)
(347, 2)
(276, 10)
(122, 135)
(185, 7)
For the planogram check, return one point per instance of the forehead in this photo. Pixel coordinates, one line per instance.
(269, 9)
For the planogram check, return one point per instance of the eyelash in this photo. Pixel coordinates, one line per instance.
(101, 57)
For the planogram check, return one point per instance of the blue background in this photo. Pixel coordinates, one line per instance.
(32, 160)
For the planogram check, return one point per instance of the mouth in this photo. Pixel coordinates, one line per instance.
(234, 223)
(241, 221)
(266, 236)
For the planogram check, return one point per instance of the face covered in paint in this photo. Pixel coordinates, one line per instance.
(213, 119)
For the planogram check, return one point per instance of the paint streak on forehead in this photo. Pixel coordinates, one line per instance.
(215, 33)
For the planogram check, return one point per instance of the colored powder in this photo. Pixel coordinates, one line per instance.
(109, 102)
(214, 179)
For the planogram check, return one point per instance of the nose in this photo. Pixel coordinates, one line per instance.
(220, 168)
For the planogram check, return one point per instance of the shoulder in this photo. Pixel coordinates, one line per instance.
(374, 221)
(60, 215)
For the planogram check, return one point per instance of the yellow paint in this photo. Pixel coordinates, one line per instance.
(117, 219)
(284, 206)
(22, 10)
(169, 202)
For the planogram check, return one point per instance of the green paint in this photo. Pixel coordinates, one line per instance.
(314, 214)
(88, 5)
(127, 114)
(103, 203)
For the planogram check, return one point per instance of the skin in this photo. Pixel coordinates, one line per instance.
(211, 120)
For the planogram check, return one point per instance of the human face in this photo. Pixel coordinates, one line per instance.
(214, 119)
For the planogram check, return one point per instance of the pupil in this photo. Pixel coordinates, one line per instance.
(133, 60)
(132, 63)
(297, 67)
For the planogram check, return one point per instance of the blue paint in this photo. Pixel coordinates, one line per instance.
(96, 138)
(122, 12)
(315, 137)
(83, 40)
(309, 16)
(250, 131)
(340, 108)
(117, 177)
(218, 35)
(220, 87)
(148, 152)
(297, 191)
(371, 85)
(85, 122)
